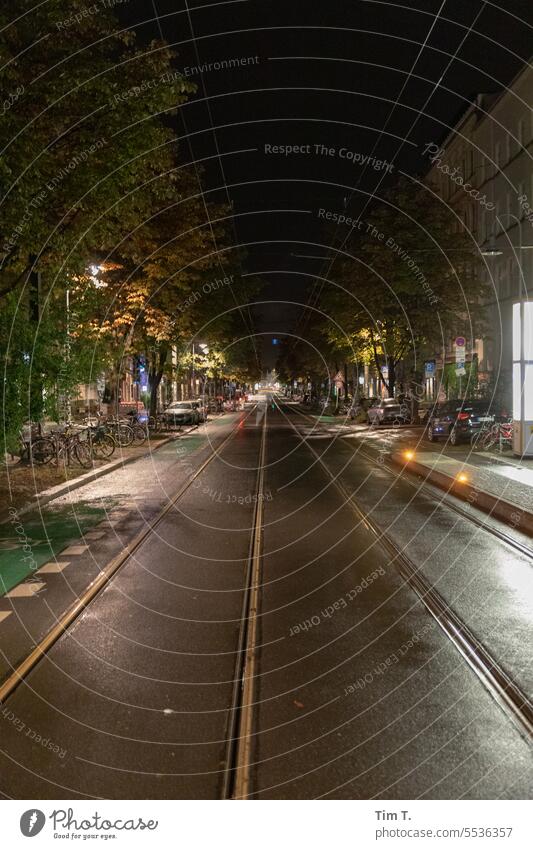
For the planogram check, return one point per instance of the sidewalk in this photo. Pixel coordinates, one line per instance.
(70, 514)
(25, 487)
(496, 483)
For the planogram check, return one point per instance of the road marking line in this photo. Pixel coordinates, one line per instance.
(94, 535)
(251, 605)
(4, 614)
(25, 590)
(49, 568)
(74, 549)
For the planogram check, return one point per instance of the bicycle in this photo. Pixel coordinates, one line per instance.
(121, 432)
(140, 431)
(500, 433)
(66, 445)
(24, 451)
(157, 424)
(102, 444)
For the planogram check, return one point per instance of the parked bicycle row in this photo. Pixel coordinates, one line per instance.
(94, 439)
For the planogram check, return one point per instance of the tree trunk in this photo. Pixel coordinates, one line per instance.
(155, 374)
(378, 366)
(346, 393)
(155, 379)
(391, 377)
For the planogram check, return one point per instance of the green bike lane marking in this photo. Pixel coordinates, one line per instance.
(21, 554)
(40, 540)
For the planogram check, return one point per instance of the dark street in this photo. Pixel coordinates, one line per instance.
(358, 689)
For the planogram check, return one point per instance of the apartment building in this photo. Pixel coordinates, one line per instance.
(484, 170)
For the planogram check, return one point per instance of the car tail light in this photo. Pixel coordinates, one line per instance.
(463, 416)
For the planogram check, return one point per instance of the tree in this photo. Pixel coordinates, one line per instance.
(85, 152)
(85, 157)
(407, 274)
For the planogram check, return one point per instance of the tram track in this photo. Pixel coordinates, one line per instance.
(69, 617)
(236, 770)
(237, 778)
(503, 689)
(443, 499)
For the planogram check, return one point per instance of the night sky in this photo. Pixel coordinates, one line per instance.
(380, 79)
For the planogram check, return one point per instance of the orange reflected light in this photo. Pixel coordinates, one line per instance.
(409, 455)
(462, 478)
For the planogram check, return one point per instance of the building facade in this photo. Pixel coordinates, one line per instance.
(484, 171)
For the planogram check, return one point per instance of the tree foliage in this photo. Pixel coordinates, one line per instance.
(408, 275)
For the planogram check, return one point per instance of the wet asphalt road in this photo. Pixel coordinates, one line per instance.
(359, 694)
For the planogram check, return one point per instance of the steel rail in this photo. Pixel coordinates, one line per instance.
(506, 693)
(237, 773)
(18, 674)
(444, 499)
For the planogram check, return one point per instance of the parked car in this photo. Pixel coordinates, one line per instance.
(425, 409)
(202, 405)
(182, 412)
(459, 420)
(389, 410)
